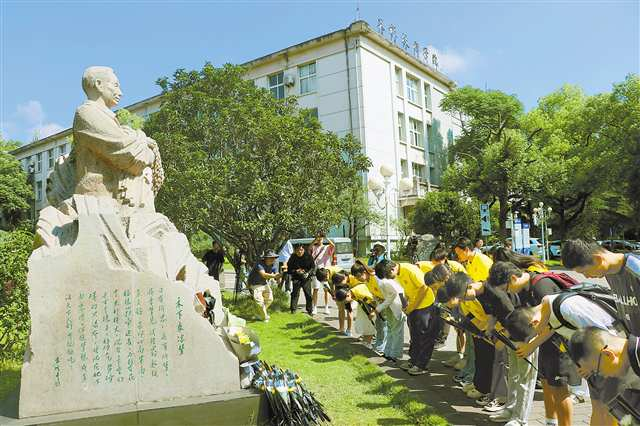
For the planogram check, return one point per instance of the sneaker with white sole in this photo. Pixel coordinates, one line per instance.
(501, 416)
(406, 365)
(314, 311)
(416, 371)
(460, 364)
(467, 387)
(326, 310)
(475, 394)
(484, 400)
(494, 406)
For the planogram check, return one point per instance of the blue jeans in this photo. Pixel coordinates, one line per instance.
(381, 334)
(395, 334)
(469, 370)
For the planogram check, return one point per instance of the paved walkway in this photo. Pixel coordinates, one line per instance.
(437, 389)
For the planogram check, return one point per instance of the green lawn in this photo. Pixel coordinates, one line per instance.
(9, 377)
(354, 391)
(553, 263)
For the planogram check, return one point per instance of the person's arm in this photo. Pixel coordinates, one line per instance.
(526, 349)
(267, 275)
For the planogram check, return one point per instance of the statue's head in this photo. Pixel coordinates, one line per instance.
(101, 82)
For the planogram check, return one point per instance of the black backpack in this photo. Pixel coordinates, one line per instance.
(598, 294)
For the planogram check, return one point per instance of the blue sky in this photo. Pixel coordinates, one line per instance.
(526, 48)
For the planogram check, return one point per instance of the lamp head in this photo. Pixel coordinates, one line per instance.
(386, 171)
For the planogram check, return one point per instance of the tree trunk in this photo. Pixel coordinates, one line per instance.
(502, 216)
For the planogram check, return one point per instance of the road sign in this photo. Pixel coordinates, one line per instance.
(516, 235)
(526, 243)
(485, 219)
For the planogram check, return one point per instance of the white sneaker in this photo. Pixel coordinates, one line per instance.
(484, 400)
(501, 416)
(467, 387)
(474, 394)
(494, 406)
(416, 371)
(314, 311)
(460, 364)
(326, 310)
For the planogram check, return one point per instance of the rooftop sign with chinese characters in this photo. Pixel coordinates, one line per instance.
(425, 55)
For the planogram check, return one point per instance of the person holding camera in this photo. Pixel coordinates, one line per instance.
(301, 268)
(260, 278)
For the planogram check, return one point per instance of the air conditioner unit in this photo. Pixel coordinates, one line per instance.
(289, 80)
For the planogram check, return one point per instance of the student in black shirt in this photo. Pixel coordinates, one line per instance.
(621, 270)
(555, 365)
(300, 267)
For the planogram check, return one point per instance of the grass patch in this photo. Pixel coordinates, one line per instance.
(9, 377)
(553, 263)
(353, 390)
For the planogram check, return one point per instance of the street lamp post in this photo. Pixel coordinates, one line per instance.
(542, 216)
(385, 189)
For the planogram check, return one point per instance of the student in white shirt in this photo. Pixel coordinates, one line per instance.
(392, 309)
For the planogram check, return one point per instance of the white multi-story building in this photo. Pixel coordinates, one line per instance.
(356, 81)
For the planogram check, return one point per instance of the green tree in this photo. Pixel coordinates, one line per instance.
(15, 248)
(127, 118)
(448, 215)
(564, 138)
(247, 169)
(15, 191)
(493, 158)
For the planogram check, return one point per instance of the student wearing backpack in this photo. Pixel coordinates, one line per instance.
(556, 367)
(621, 270)
(564, 313)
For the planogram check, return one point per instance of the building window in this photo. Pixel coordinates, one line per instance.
(50, 158)
(25, 165)
(427, 96)
(401, 130)
(415, 132)
(404, 168)
(39, 190)
(418, 171)
(307, 78)
(63, 149)
(276, 85)
(399, 81)
(430, 141)
(38, 162)
(412, 90)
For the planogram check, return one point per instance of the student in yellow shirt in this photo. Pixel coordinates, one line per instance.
(422, 319)
(476, 264)
(363, 274)
(439, 255)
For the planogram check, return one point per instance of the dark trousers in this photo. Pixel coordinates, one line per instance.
(295, 295)
(424, 327)
(484, 354)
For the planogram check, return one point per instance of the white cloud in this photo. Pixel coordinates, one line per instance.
(28, 123)
(47, 129)
(454, 61)
(31, 112)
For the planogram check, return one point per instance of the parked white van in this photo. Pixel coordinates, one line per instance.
(342, 256)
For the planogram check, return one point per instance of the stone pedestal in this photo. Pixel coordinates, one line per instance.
(108, 332)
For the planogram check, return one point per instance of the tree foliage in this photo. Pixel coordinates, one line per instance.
(448, 215)
(15, 248)
(493, 157)
(15, 192)
(247, 169)
(127, 118)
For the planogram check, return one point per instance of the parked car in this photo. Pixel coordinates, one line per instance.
(620, 246)
(555, 249)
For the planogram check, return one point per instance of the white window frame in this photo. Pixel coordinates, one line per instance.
(38, 162)
(309, 79)
(419, 176)
(402, 132)
(62, 149)
(415, 133)
(404, 168)
(413, 91)
(279, 86)
(50, 158)
(399, 85)
(427, 96)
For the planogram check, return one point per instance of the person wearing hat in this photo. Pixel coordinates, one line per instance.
(260, 277)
